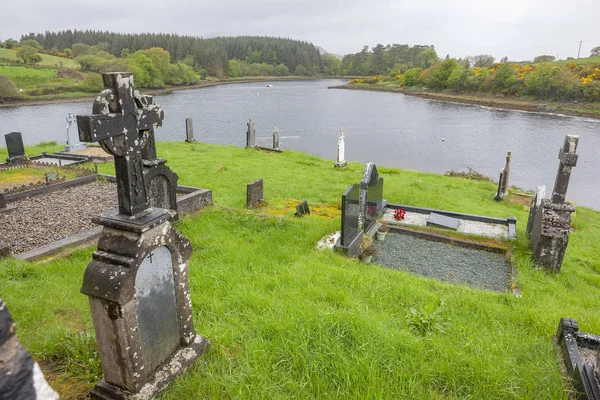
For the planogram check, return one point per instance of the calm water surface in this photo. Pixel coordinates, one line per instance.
(386, 128)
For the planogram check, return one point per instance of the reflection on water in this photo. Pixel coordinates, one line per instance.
(385, 128)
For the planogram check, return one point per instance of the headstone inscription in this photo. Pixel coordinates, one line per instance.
(189, 130)
(250, 134)
(137, 281)
(73, 144)
(21, 378)
(552, 224)
(255, 193)
(14, 145)
(276, 139)
(341, 148)
(302, 209)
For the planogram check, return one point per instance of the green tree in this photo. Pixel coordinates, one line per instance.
(544, 58)
(80, 49)
(482, 60)
(412, 76)
(439, 78)
(34, 59)
(301, 70)
(539, 81)
(426, 58)
(505, 77)
(33, 43)
(331, 64)
(235, 69)
(9, 43)
(282, 70)
(181, 74)
(595, 51)
(25, 53)
(271, 57)
(161, 60)
(8, 90)
(144, 71)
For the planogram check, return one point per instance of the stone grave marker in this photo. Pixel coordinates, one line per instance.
(50, 176)
(73, 145)
(276, 139)
(442, 221)
(552, 223)
(137, 281)
(2, 201)
(189, 130)
(351, 234)
(4, 250)
(250, 134)
(21, 378)
(255, 193)
(503, 180)
(540, 194)
(302, 209)
(14, 145)
(341, 148)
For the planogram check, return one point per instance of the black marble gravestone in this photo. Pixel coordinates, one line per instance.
(137, 282)
(372, 203)
(351, 234)
(14, 145)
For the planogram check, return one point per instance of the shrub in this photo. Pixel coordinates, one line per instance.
(591, 91)
(8, 90)
(93, 83)
(412, 76)
(69, 73)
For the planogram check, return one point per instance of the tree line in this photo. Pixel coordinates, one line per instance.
(207, 56)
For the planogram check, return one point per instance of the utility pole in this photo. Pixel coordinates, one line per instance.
(579, 51)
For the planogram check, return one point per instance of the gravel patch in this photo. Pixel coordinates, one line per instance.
(449, 263)
(43, 219)
(464, 226)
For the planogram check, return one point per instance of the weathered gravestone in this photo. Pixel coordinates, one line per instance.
(189, 130)
(73, 144)
(160, 180)
(137, 282)
(540, 194)
(302, 209)
(2, 201)
(503, 180)
(276, 139)
(14, 145)
(250, 134)
(255, 193)
(341, 148)
(20, 377)
(4, 250)
(552, 224)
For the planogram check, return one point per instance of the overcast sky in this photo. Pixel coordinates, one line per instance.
(519, 29)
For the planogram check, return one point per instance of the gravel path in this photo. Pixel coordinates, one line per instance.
(43, 219)
(454, 264)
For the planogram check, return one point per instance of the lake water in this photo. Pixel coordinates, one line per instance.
(386, 128)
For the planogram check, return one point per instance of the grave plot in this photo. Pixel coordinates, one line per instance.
(446, 259)
(39, 220)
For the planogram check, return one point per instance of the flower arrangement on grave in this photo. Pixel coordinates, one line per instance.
(367, 249)
(384, 226)
(399, 214)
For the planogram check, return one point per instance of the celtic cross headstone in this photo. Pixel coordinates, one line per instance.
(137, 281)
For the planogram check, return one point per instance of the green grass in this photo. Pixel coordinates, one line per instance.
(287, 321)
(578, 61)
(47, 60)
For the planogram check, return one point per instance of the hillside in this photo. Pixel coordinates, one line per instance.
(288, 321)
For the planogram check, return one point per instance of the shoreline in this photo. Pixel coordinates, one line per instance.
(154, 92)
(504, 103)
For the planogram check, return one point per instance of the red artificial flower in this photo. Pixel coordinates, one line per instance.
(399, 214)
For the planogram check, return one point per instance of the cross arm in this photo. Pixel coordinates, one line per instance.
(94, 128)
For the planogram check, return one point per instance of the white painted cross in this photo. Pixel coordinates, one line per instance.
(341, 149)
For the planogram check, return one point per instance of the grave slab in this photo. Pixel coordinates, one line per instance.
(442, 221)
(302, 209)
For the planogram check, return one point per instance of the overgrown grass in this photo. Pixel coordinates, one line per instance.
(287, 321)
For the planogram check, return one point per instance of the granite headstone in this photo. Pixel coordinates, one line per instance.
(14, 145)
(255, 193)
(189, 130)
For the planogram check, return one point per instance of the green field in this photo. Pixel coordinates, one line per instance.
(578, 61)
(287, 321)
(47, 60)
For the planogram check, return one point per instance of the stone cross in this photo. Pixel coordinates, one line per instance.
(503, 180)
(72, 145)
(568, 159)
(250, 134)
(121, 121)
(276, 139)
(189, 130)
(341, 148)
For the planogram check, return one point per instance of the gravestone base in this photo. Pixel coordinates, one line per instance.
(341, 165)
(550, 234)
(176, 365)
(145, 336)
(72, 148)
(352, 248)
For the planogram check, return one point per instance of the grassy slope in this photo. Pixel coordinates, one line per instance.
(47, 60)
(288, 321)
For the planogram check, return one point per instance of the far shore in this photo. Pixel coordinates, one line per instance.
(154, 92)
(585, 110)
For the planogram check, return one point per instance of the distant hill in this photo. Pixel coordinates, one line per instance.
(323, 51)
